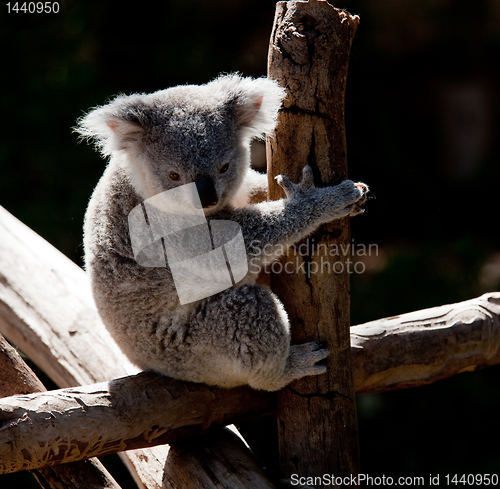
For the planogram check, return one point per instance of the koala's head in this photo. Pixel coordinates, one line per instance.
(187, 134)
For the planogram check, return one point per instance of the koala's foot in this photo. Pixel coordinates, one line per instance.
(302, 361)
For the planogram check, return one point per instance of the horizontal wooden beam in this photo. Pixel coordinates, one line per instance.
(425, 346)
(140, 411)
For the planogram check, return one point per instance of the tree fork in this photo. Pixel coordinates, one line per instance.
(308, 55)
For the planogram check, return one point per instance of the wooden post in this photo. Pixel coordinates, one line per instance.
(308, 55)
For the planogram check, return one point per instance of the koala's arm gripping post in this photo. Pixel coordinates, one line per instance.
(308, 55)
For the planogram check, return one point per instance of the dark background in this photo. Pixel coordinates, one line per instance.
(422, 116)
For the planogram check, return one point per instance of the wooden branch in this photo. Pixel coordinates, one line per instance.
(141, 411)
(147, 409)
(18, 378)
(426, 346)
(308, 55)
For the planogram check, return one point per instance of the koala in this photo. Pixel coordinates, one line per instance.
(201, 134)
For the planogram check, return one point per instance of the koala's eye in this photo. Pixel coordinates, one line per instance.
(224, 168)
(174, 176)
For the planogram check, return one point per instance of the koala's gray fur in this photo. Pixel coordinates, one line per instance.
(238, 336)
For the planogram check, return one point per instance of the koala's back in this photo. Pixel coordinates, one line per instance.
(130, 299)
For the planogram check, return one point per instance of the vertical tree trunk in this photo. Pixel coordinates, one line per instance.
(308, 54)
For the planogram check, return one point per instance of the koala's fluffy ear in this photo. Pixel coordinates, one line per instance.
(114, 126)
(256, 102)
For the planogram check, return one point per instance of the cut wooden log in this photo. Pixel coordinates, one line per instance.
(308, 55)
(18, 378)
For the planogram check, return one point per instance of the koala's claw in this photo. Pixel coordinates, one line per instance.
(364, 190)
(307, 182)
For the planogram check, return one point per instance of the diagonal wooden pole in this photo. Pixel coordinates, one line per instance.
(308, 55)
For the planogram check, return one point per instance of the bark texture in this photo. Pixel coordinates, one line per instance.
(308, 55)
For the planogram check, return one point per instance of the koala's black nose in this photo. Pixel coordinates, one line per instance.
(206, 191)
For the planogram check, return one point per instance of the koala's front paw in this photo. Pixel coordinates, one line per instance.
(357, 208)
(345, 199)
(293, 189)
(302, 361)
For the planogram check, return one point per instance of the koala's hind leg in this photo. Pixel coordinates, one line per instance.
(247, 340)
